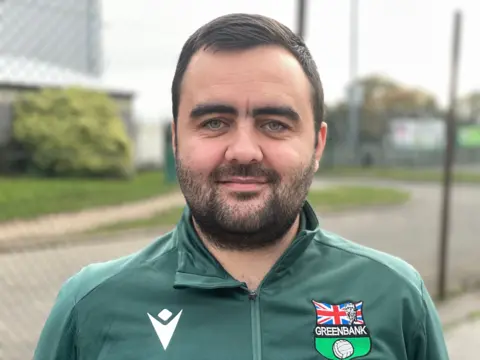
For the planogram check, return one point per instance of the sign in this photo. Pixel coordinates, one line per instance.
(469, 136)
(418, 134)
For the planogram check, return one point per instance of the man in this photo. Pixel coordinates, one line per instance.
(247, 273)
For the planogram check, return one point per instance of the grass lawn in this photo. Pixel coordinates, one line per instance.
(325, 200)
(348, 197)
(24, 198)
(400, 174)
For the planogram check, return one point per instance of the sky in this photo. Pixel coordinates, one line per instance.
(408, 40)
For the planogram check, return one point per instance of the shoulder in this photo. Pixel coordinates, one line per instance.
(93, 276)
(383, 278)
(383, 266)
(61, 326)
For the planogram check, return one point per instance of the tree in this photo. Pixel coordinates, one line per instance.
(384, 95)
(72, 132)
(382, 99)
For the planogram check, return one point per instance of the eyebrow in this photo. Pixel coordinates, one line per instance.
(283, 111)
(217, 108)
(205, 109)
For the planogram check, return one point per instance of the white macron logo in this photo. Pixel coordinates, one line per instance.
(165, 331)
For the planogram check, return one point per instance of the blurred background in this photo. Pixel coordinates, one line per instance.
(87, 172)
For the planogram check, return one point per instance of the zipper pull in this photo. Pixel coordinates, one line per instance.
(252, 295)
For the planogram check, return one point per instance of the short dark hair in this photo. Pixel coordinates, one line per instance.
(242, 32)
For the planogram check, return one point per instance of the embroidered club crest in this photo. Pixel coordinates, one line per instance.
(340, 331)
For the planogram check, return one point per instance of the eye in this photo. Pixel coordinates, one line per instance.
(275, 126)
(213, 124)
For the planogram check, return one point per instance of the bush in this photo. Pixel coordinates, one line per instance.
(72, 132)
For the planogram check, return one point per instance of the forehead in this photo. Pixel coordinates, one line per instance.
(248, 77)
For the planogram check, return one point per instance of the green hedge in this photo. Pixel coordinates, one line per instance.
(72, 132)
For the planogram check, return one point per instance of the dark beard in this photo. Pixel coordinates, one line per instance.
(265, 226)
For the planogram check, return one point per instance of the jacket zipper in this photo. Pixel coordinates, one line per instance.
(255, 314)
(256, 329)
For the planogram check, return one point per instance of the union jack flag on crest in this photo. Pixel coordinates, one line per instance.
(343, 314)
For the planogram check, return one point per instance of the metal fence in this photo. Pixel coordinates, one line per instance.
(59, 43)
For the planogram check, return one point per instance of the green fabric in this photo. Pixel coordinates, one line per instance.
(113, 310)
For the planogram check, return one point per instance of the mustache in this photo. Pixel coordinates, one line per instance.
(244, 170)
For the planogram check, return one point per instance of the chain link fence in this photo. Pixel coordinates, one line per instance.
(43, 43)
(51, 43)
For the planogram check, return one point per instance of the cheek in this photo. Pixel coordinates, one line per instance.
(204, 160)
(284, 159)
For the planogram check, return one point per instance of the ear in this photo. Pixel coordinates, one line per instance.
(321, 141)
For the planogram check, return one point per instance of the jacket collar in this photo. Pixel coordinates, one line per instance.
(198, 268)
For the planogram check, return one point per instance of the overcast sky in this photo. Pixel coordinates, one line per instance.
(409, 40)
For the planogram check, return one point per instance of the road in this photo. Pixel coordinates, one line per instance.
(29, 281)
(412, 231)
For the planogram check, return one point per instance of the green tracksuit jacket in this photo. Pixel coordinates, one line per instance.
(326, 298)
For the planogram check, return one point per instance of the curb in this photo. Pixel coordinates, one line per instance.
(463, 306)
(42, 243)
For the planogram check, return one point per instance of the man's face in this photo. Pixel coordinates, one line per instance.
(245, 144)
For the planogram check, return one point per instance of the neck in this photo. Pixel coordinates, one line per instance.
(250, 266)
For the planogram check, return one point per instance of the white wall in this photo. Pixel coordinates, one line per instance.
(149, 144)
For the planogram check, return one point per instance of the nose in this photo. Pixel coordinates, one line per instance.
(243, 147)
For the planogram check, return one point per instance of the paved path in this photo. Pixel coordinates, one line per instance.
(463, 324)
(63, 224)
(461, 340)
(29, 281)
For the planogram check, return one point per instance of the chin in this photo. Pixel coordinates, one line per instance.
(246, 196)
(243, 203)
(245, 207)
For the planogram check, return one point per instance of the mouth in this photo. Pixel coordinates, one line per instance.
(239, 183)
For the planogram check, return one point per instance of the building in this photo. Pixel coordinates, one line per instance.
(52, 43)
(62, 33)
